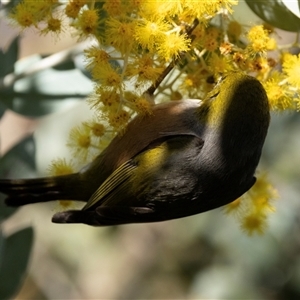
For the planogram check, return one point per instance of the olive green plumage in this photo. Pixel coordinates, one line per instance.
(185, 158)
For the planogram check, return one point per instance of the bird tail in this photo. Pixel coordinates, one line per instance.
(25, 191)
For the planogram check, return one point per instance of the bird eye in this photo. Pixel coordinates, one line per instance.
(211, 79)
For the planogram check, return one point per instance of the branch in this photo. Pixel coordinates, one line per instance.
(172, 64)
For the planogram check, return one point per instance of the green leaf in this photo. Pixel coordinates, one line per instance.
(19, 161)
(275, 13)
(10, 5)
(14, 258)
(2, 109)
(46, 91)
(65, 65)
(5, 212)
(1, 246)
(8, 58)
(50, 81)
(33, 104)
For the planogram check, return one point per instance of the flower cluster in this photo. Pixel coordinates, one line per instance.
(150, 51)
(252, 208)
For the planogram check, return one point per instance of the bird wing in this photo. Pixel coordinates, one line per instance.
(109, 187)
(167, 119)
(117, 184)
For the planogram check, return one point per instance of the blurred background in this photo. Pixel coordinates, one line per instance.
(206, 256)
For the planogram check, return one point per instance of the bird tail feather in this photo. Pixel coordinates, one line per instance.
(25, 191)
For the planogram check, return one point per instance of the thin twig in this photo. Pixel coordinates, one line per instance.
(150, 91)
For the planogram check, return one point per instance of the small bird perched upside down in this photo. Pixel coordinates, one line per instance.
(185, 158)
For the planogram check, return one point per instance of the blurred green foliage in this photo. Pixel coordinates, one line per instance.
(276, 14)
(200, 257)
(15, 248)
(14, 254)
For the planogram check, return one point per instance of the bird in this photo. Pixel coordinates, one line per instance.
(186, 157)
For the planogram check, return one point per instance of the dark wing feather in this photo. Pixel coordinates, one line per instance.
(112, 184)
